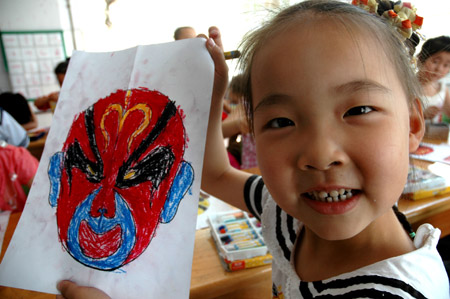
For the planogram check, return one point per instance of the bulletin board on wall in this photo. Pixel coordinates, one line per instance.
(30, 58)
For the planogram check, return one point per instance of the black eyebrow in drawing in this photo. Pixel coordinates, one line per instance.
(164, 155)
(75, 157)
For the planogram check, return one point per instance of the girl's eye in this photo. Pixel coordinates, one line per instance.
(358, 111)
(280, 122)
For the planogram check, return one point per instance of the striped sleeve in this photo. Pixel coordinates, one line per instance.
(253, 191)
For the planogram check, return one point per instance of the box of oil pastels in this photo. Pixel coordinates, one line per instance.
(238, 239)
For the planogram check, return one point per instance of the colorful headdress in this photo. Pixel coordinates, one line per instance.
(401, 15)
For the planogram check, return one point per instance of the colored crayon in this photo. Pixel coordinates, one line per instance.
(232, 54)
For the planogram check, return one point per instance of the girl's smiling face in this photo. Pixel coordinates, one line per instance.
(330, 117)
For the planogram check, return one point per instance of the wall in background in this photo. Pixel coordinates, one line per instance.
(20, 15)
(137, 22)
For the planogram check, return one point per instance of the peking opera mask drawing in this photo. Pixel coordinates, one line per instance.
(119, 174)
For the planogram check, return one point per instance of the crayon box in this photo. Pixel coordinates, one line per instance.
(238, 239)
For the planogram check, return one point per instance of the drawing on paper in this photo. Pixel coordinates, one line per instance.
(119, 174)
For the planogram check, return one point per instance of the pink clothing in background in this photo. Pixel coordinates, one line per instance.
(248, 156)
(17, 168)
(233, 161)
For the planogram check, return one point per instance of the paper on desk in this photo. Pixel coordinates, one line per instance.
(122, 169)
(433, 152)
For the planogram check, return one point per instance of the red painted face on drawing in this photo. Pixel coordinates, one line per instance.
(120, 159)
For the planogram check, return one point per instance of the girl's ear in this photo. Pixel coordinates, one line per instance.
(416, 126)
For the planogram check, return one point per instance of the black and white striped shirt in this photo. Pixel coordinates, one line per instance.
(418, 274)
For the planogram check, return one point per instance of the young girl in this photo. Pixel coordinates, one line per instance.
(332, 102)
(434, 59)
(333, 106)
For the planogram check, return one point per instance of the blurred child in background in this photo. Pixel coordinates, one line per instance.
(235, 127)
(434, 65)
(17, 106)
(49, 101)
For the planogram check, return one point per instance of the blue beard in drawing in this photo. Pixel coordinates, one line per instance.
(100, 226)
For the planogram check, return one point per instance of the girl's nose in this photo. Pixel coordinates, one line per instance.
(322, 152)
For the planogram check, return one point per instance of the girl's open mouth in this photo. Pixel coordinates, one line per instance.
(332, 196)
(333, 202)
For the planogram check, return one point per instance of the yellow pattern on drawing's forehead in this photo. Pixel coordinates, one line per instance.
(122, 114)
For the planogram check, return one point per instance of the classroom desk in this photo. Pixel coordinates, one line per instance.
(434, 210)
(37, 147)
(210, 280)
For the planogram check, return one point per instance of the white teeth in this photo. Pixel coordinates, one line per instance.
(333, 195)
(323, 194)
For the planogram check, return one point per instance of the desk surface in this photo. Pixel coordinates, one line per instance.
(434, 210)
(210, 280)
(37, 147)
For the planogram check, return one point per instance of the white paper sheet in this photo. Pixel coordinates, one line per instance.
(433, 152)
(4, 219)
(36, 258)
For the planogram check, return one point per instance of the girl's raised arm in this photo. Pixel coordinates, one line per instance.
(219, 178)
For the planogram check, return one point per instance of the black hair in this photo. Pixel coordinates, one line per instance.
(404, 222)
(61, 68)
(237, 84)
(16, 105)
(433, 46)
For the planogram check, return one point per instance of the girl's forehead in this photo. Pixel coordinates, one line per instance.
(443, 55)
(339, 31)
(321, 55)
(330, 36)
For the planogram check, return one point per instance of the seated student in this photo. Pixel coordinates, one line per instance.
(11, 131)
(17, 106)
(17, 170)
(184, 33)
(236, 125)
(434, 65)
(46, 102)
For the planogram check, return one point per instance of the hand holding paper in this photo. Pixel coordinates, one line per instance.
(70, 290)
